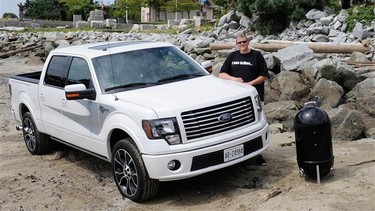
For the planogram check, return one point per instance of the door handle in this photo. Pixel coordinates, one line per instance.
(41, 95)
(63, 101)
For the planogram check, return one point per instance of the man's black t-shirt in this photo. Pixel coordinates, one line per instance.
(248, 66)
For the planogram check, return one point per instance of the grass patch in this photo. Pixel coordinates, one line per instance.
(362, 14)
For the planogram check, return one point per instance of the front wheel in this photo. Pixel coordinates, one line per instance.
(130, 173)
(36, 142)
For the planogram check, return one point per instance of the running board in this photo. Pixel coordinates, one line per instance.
(79, 148)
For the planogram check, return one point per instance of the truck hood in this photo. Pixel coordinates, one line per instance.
(187, 95)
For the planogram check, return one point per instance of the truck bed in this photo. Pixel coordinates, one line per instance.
(33, 77)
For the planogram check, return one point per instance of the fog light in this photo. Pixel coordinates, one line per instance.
(174, 165)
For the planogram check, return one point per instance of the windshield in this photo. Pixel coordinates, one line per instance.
(142, 68)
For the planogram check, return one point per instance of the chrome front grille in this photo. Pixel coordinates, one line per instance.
(219, 118)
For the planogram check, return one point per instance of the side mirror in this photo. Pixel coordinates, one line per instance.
(78, 92)
(207, 65)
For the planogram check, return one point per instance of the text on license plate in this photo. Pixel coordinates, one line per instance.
(233, 153)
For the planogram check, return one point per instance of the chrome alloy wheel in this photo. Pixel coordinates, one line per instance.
(29, 134)
(126, 174)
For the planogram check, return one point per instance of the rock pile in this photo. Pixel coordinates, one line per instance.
(297, 73)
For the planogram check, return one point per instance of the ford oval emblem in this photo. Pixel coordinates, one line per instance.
(226, 117)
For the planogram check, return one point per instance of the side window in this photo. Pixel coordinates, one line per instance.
(79, 73)
(55, 71)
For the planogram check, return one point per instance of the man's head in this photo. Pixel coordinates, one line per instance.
(242, 43)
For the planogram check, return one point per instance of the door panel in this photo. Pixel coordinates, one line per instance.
(80, 117)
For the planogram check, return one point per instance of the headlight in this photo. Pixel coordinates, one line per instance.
(258, 102)
(162, 128)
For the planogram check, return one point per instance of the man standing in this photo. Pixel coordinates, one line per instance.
(245, 65)
(248, 66)
(21, 11)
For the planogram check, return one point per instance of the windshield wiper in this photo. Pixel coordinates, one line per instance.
(128, 86)
(179, 77)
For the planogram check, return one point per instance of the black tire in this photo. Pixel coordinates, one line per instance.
(130, 173)
(36, 142)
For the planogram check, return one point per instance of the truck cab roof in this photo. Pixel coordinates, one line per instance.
(93, 50)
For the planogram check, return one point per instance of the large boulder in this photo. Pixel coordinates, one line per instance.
(295, 58)
(328, 94)
(281, 112)
(339, 72)
(347, 124)
(363, 94)
(289, 86)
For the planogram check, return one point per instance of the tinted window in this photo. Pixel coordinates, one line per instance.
(79, 73)
(143, 66)
(55, 71)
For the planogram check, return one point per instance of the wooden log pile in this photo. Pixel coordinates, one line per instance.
(317, 47)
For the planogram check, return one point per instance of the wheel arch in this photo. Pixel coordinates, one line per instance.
(23, 109)
(115, 136)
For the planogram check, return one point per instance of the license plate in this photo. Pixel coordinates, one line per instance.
(233, 153)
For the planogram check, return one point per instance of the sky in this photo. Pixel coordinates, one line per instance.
(10, 6)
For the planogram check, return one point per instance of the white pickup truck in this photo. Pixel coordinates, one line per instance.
(146, 107)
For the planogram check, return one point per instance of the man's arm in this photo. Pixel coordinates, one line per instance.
(229, 77)
(258, 80)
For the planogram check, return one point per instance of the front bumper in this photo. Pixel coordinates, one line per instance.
(205, 159)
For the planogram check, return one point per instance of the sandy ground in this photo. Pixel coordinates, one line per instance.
(68, 179)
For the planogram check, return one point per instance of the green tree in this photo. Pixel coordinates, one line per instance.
(133, 8)
(157, 5)
(188, 6)
(182, 6)
(225, 5)
(45, 9)
(82, 7)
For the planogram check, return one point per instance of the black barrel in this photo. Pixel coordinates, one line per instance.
(313, 137)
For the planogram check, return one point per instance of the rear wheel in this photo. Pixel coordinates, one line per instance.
(130, 173)
(36, 142)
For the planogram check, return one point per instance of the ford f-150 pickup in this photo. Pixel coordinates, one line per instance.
(146, 107)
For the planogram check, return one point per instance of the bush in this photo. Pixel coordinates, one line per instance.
(9, 15)
(362, 13)
(275, 15)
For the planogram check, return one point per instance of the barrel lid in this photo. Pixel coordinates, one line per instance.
(311, 115)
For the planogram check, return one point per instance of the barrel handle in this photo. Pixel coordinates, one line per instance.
(310, 104)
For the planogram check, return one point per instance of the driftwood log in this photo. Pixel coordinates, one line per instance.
(317, 47)
(11, 53)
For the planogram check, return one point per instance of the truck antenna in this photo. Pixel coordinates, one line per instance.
(113, 73)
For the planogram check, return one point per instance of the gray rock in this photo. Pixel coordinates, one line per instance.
(328, 94)
(245, 22)
(347, 125)
(293, 25)
(337, 25)
(282, 111)
(314, 29)
(295, 58)
(364, 94)
(270, 61)
(342, 16)
(360, 32)
(366, 105)
(358, 57)
(320, 38)
(326, 20)
(349, 78)
(61, 43)
(315, 14)
(336, 71)
(337, 36)
(291, 86)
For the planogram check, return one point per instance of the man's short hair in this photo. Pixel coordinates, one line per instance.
(242, 35)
